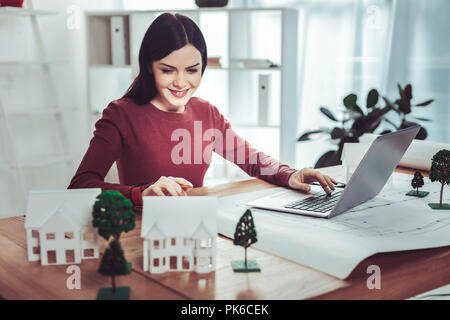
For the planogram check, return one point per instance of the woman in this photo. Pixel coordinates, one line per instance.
(142, 130)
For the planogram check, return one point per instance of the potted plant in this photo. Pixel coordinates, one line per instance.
(211, 3)
(403, 107)
(353, 125)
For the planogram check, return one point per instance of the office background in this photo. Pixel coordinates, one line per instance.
(51, 93)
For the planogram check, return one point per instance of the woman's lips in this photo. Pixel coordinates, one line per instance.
(179, 94)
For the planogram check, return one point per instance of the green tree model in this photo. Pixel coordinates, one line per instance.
(417, 181)
(245, 236)
(112, 214)
(440, 170)
(114, 263)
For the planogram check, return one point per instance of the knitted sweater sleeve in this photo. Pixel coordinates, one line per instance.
(255, 163)
(105, 147)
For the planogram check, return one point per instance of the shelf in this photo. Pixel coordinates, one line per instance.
(41, 161)
(37, 111)
(109, 66)
(25, 62)
(24, 12)
(243, 68)
(183, 11)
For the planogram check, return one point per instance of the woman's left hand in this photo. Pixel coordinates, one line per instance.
(302, 178)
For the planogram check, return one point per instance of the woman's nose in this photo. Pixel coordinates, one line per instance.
(180, 81)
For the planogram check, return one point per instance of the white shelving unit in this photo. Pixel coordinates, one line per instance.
(24, 164)
(26, 12)
(230, 33)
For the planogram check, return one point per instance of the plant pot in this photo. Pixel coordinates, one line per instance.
(11, 3)
(211, 3)
(328, 159)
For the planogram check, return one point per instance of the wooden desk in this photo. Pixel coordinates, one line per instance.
(403, 274)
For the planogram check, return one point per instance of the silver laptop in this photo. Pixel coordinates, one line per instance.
(366, 182)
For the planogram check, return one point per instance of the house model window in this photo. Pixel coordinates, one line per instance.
(59, 226)
(189, 226)
(50, 236)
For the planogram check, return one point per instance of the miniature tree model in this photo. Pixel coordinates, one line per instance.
(416, 183)
(245, 236)
(440, 171)
(114, 263)
(112, 215)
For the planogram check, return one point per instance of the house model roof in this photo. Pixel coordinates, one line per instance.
(75, 204)
(179, 216)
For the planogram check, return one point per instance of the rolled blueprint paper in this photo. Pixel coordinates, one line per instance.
(418, 155)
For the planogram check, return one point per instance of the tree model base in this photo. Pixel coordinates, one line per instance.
(122, 293)
(239, 266)
(437, 206)
(419, 194)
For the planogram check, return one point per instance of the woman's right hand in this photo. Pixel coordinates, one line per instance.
(171, 186)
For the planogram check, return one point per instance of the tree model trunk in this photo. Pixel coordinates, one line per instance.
(113, 283)
(442, 191)
(246, 257)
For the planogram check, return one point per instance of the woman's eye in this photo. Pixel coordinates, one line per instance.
(192, 70)
(166, 70)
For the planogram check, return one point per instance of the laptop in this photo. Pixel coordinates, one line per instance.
(368, 179)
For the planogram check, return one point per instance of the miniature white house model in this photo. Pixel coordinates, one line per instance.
(179, 234)
(59, 227)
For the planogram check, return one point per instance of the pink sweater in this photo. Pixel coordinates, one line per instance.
(148, 143)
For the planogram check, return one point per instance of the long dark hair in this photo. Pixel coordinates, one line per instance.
(167, 33)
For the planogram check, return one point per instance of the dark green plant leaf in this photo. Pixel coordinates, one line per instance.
(337, 133)
(373, 126)
(350, 100)
(408, 91)
(350, 103)
(425, 103)
(328, 113)
(404, 103)
(389, 104)
(403, 106)
(422, 119)
(372, 98)
(359, 127)
(305, 136)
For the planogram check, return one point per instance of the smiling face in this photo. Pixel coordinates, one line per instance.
(177, 77)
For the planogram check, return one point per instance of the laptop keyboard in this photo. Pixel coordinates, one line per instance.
(317, 203)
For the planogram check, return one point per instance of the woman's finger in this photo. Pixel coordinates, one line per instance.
(157, 190)
(298, 184)
(177, 187)
(169, 188)
(182, 182)
(330, 183)
(321, 179)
